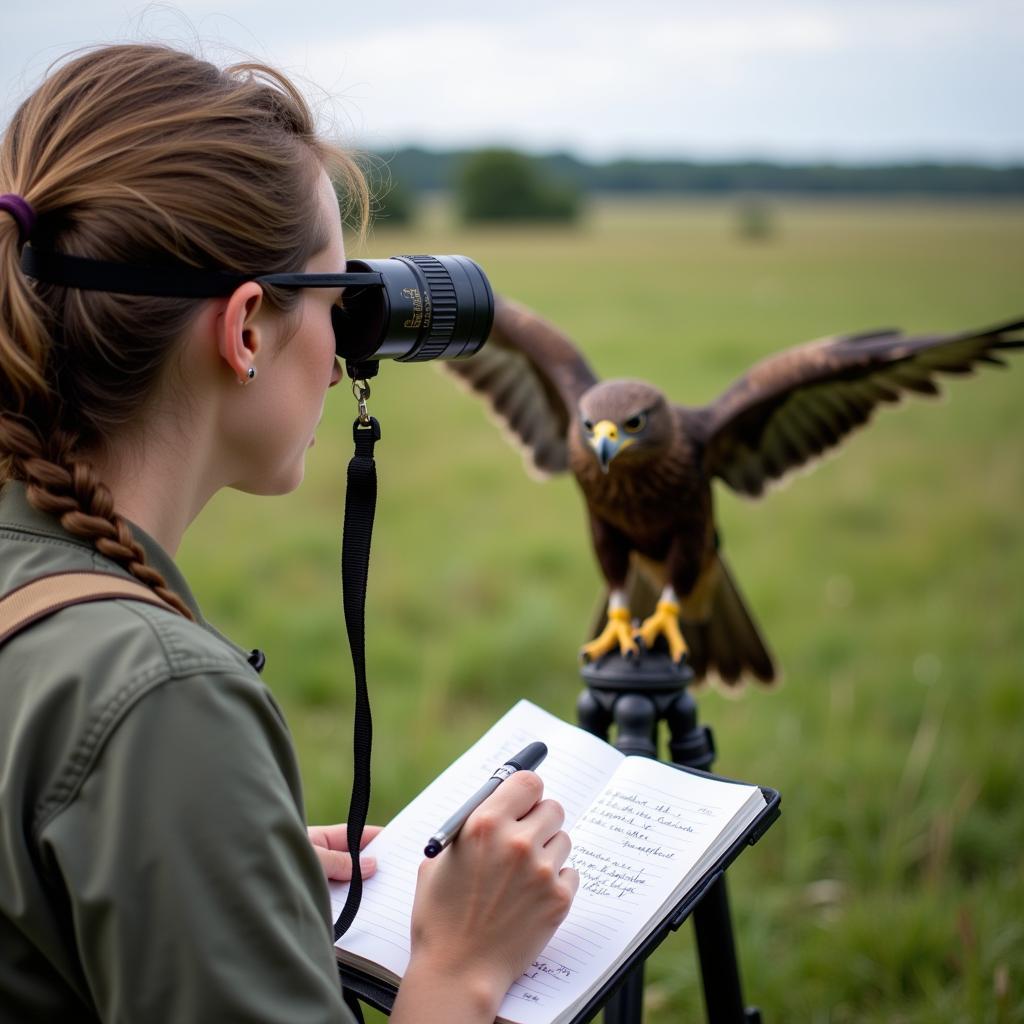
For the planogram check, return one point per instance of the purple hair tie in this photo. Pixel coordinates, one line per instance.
(23, 214)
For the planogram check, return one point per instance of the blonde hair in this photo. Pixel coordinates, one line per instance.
(139, 154)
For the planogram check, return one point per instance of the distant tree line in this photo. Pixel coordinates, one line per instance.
(421, 170)
(503, 185)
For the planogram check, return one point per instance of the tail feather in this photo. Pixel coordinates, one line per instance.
(728, 643)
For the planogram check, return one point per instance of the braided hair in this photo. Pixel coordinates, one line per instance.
(138, 154)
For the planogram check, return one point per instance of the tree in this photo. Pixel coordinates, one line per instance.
(503, 185)
(754, 219)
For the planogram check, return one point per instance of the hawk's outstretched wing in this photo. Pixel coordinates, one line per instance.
(532, 377)
(789, 408)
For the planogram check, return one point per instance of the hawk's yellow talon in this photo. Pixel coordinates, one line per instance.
(664, 622)
(617, 633)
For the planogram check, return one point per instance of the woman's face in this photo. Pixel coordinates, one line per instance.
(294, 371)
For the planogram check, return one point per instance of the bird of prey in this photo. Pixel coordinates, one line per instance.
(645, 464)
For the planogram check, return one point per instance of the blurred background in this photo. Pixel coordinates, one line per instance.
(683, 189)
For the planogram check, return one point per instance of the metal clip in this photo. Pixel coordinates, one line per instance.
(361, 391)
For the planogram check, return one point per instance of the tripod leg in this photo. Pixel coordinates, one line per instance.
(723, 997)
(694, 746)
(627, 1005)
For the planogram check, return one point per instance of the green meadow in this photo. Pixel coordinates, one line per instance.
(889, 582)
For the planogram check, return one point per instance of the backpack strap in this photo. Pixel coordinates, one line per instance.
(45, 595)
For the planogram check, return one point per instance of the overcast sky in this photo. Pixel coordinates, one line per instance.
(856, 80)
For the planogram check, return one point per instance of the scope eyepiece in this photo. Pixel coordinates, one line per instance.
(424, 307)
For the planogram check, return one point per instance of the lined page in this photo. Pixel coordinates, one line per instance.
(576, 768)
(648, 836)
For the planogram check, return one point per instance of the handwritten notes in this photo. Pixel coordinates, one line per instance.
(642, 837)
(642, 834)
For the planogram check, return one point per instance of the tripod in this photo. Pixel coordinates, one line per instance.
(636, 697)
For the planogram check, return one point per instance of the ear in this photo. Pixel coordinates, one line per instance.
(239, 329)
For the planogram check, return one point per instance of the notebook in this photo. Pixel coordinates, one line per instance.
(644, 835)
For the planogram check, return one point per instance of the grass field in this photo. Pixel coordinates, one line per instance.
(890, 583)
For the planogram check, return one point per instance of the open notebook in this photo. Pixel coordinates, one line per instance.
(643, 834)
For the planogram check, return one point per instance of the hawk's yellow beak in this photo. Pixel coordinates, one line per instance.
(607, 442)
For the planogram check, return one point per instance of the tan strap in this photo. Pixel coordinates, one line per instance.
(48, 594)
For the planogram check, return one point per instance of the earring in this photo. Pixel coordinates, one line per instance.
(250, 375)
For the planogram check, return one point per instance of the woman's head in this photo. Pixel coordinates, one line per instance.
(140, 154)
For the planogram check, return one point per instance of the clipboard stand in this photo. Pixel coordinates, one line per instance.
(635, 697)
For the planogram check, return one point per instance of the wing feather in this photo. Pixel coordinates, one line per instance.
(531, 376)
(792, 407)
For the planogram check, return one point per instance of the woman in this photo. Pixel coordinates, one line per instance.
(155, 864)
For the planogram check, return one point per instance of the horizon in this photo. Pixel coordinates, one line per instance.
(1016, 163)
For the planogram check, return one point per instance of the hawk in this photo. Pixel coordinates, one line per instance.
(645, 464)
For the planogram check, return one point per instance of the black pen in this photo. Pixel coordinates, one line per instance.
(525, 761)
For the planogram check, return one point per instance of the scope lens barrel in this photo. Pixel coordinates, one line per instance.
(429, 307)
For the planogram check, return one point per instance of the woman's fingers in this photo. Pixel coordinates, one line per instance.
(558, 848)
(546, 818)
(335, 837)
(516, 796)
(337, 864)
(331, 845)
(517, 802)
(571, 877)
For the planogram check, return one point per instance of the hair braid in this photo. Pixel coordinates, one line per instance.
(68, 488)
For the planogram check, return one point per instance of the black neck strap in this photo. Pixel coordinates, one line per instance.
(360, 503)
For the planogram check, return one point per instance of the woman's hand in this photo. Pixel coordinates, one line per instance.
(489, 903)
(331, 845)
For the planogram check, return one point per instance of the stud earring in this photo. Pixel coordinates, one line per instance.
(250, 375)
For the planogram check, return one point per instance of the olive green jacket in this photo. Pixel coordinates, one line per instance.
(154, 864)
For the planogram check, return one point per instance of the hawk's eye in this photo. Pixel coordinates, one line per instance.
(588, 426)
(635, 423)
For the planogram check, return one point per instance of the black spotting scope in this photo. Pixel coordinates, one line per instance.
(413, 308)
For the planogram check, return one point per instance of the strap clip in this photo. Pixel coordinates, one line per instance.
(361, 392)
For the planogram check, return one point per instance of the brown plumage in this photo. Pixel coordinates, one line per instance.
(645, 465)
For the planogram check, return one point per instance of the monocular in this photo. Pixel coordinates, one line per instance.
(407, 308)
